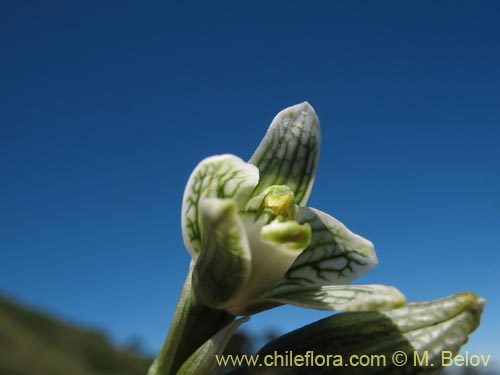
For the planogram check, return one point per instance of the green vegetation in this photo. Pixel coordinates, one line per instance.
(32, 343)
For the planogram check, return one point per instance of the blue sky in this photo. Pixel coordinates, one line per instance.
(107, 108)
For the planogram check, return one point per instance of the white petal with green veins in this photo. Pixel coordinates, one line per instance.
(224, 265)
(288, 154)
(222, 176)
(342, 297)
(335, 256)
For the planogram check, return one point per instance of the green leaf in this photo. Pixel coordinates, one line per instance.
(222, 176)
(288, 154)
(341, 297)
(335, 256)
(203, 360)
(415, 332)
(224, 265)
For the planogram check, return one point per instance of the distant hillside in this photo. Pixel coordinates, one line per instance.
(32, 343)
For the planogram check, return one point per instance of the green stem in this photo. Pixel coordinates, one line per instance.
(192, 325)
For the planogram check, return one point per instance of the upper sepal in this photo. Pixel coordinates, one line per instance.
(288, 154)
(222, 176)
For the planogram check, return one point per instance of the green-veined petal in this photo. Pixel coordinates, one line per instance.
(221, 176)
(342, 297)
(335, 256)
(288, 154)
(224, 265)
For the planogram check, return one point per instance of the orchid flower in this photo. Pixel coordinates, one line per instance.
(254, 245)
(253, 241)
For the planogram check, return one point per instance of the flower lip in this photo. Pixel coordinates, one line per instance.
(296, 236)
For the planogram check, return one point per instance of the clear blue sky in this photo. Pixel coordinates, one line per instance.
(106, 107)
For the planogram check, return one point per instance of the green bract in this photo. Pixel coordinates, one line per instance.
(408, 340)
(255, 244)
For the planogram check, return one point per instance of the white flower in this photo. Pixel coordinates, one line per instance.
(255, 244)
